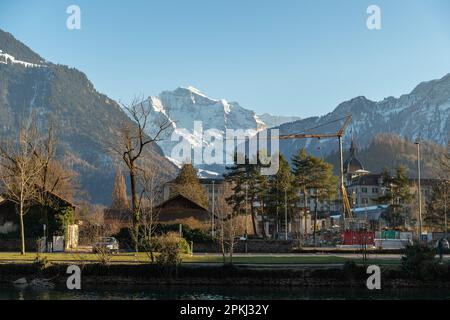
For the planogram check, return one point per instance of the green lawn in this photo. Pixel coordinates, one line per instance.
(142, 258)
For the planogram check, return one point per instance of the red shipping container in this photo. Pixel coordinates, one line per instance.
(352, 238)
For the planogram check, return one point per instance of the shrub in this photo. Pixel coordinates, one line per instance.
(419, 261)
(194, 235)
(41, 263)
(104, 256)
(169, 250)
(184, 246)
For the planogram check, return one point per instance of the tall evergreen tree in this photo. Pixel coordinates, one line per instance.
(396, 194)
(188, 185)
(323, 183)
(248, 187)
(119, 195)
(282, 194)
(302, 168)
(313, 178)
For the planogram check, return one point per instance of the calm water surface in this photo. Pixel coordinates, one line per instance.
(8, 292)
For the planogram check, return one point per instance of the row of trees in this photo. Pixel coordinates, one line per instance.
(30, 172)
(278, 195)
(397, 193)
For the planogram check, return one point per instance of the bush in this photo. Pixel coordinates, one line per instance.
(190, 234)
(419, 262)
(169, 257)
(194, 235)
(41, 263)
(184, 246)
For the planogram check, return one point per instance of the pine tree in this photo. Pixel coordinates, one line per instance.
(438, 205)
(282, 194)
(247, 183)
(188, 185)
(313, 177)
(396, 194)
(119, 195)
(302, 168)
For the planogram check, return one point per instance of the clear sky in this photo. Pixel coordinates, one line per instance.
(287, 57)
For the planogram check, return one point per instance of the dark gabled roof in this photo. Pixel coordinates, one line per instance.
(181, 196)
(66, 203)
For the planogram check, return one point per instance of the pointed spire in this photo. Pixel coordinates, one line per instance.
(352, 145)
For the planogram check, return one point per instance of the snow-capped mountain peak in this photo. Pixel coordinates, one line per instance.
(186, 107)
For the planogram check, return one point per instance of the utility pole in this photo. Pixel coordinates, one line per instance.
(285, 214)
(445, 209)
(246, 210)
(420, 189)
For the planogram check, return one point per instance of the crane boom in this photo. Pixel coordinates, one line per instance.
(347, 211)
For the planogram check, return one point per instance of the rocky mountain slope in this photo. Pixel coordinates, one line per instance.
(86, 119)
(390, 151)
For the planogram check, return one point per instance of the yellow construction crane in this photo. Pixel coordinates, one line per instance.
(347, 211)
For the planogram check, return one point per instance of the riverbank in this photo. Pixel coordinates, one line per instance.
(350, 275)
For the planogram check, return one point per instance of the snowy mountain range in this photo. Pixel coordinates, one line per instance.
(424, 113)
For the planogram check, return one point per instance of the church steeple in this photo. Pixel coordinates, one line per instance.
(352, 164)
(353, 147)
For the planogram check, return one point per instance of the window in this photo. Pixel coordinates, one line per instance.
(364, 190)
(374, 190)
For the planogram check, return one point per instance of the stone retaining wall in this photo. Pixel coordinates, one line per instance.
(250, 246)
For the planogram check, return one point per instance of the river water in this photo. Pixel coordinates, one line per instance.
(8, 292)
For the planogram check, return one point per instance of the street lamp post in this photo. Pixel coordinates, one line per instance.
(420, 189)
(285, 214)
(445, 209)
(246, 210)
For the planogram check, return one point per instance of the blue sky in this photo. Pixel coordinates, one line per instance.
(288, 57)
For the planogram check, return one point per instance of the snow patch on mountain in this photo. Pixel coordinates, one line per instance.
(6, 58)
(271, 120)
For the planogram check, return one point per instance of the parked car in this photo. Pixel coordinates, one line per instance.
(108, 244)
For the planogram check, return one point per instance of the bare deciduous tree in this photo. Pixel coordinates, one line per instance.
(228, 224)
(131, 144)
(20, 172)
(150, 196)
